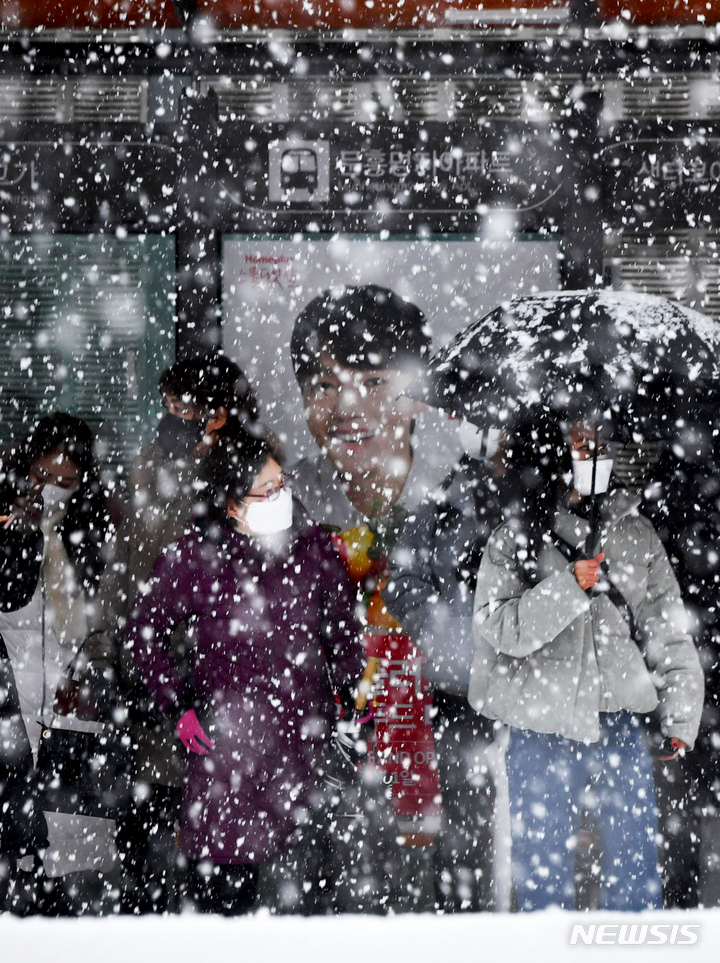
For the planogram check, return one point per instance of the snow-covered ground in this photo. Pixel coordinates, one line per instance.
(485, 938)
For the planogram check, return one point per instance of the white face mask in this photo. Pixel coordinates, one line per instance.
(271, 515)
(56, 499)
(583, 472)
(478, 443)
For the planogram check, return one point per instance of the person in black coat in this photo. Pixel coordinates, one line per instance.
(680, 488)
(434, 565)
(57, 516)
(22, 824)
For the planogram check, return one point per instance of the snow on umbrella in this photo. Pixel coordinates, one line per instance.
(649, 363)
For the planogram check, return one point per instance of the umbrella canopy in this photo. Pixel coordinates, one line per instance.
(649, 363)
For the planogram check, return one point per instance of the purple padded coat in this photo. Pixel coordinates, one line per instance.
(273, 636)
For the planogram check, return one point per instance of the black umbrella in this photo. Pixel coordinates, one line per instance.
(648, 365)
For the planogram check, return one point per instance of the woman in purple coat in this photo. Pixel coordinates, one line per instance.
(274, 636)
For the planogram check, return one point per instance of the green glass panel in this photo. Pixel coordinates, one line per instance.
(86, 327)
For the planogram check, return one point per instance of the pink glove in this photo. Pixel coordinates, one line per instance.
(192, 735)
(672, 749)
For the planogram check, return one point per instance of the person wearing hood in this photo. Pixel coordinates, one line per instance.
(199, 396)
(54, 467)
(574, 649)
(434, 570)
(274, 638)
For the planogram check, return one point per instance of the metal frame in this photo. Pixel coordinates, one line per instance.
(198, 222)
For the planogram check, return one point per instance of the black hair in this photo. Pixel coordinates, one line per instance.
(58, 431)
(537, 457)
(361, 327)
(212, 381)
(86, 524)
(231, 467)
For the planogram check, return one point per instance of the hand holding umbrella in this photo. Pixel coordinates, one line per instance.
(587, 571)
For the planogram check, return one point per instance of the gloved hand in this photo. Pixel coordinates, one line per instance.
(192, 735)
(671, 749)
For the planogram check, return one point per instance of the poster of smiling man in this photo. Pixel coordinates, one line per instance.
(269, 280)
(331, 332)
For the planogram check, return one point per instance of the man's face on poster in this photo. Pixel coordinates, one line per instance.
(358, 419)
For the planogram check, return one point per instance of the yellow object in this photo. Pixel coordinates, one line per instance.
(372, 671)
(358, 541)
(378, 615)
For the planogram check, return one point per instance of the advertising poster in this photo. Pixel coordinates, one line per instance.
(268, 281)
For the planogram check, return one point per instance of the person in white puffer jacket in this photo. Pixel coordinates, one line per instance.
(573, 653)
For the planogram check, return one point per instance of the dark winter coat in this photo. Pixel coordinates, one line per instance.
(272, 636)
(684, 507)
(22, 825)
(163, 495)
(21, 555)
(434, 568)
(84, 528)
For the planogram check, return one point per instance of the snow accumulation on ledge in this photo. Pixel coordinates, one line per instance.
(552, 936)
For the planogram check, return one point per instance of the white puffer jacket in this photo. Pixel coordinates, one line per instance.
(550, 657)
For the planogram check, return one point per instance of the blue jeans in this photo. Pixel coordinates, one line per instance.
(551, 781)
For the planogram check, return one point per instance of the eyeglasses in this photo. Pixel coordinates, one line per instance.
(272, 492)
